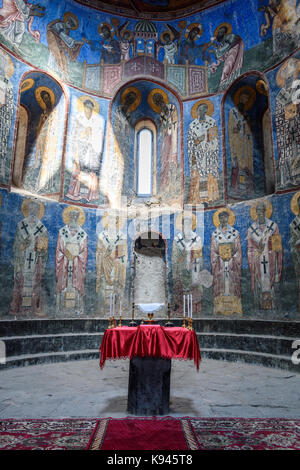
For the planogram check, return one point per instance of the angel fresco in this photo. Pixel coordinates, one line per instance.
(169, 41)
(61, 45)
(14, 14)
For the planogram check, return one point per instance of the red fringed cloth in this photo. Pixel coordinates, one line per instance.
(150, 341)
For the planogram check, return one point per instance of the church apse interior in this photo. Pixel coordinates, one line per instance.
(147, 155)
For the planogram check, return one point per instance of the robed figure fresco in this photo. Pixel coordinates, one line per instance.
(203, 152)
(61, 45)
(30, 258)
(287, 122)
(111, 261)
(6, 107)
(46, 140)
(241, 141)
(229, 50)
(70, 262)
(14, 15)
(226, 264)
(86, 147)
(295, 239)
(168, 125)
(187, 262)
(265, 256)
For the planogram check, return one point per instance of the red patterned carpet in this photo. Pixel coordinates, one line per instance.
(150, 434)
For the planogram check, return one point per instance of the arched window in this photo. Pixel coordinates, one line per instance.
(145, 133)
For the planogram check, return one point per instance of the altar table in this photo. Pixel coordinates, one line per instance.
(150, 349)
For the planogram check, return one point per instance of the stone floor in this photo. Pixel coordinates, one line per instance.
(81, 389)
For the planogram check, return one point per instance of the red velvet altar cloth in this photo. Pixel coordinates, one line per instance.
(150, 341)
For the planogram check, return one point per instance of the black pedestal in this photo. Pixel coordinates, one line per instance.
(149, 386)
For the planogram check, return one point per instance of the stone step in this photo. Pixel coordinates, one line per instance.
(33, 344)
(267, 360)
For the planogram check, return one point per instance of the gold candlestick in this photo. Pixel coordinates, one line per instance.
(120, 321)
(133, 323)
(109, 323)
(183, 325)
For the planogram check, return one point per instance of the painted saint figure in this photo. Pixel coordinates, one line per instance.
(287, 122)
(46, 140)
(228, 49)
(70, 262)
(295, 239)
(6, 109)
(86, 147)
(203, 152)
(189, 51)
(226, 264)
(111, 51)
(14, 14)
(111, 261)
(30, 258)
(168, 124)
(187, 262)
(265, 257)
(241, 141)
(61, 45)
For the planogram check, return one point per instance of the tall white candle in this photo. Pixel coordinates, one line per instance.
(188, 304)
(191, 306)
(120, 308)
(110, 304)
(114, 306)
(184, 305)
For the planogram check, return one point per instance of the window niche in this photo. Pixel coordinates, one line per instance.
(248, 131)
(145, 158)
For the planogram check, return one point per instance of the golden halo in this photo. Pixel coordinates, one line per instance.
(262, 87)
(151, 102)
(169, 32)
(39, 99)
(110, 27)
(138, 100)
(68, 15)
(227, 25)
(210, 108)
(27, 84)
(119, 221)
(80, 104)
(280, 77)
(66, 215)
(252, 96)
(269, 209)
(192, 26)
(294, 203)
(127, 31)
(231, 218)
(179, 218)
(25, 204)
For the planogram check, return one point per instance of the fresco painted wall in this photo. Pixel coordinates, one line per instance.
(219, 89)
(62, 260)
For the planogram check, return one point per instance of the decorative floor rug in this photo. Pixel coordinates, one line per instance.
(157, 433)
